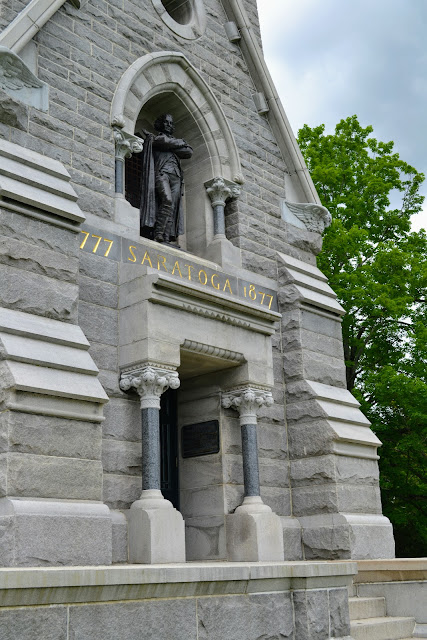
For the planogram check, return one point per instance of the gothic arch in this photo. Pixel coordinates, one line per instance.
(171, 71)
(167, 81)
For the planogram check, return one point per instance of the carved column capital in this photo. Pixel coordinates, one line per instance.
(149, 382)
(126, 143)
(220, 190)
(247, 401)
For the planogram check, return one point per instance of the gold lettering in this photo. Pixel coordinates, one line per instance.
(215, 286)
(190, 266)
(162, 261)
(84, 240)
(109, 248)
(271, 299)
(176, 266)
(146, 257)
(206, 276)
(261, 293)
(252, 292)
(227, 285)
(132, 253)
(94, 250)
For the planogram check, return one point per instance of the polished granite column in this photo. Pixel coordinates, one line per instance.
(254, 532)
(156, 528)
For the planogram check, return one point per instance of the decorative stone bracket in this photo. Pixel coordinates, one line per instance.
(306, 215)
(219, 191)
(126, 145)
(20, 83)
(149, 382)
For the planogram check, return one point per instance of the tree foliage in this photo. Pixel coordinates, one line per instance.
(378, 268)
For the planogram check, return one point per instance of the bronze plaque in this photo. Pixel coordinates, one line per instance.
(200, 439)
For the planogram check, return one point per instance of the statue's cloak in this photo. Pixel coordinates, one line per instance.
(152, 163)
(148, 185)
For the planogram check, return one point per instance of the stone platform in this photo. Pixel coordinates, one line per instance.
(212, 601)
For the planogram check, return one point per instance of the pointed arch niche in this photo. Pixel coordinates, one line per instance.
(166, 82)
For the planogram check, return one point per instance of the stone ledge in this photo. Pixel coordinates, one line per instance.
(398, 569)
(319, 574)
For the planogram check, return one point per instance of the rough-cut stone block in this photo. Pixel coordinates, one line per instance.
(339, 621)
(99, 323)
(314, 499)
(358, 499)
(30, 257)
(122, 419)
(273, 473)
(27, 623)
(292, 542)
(52, 477)
(42, 234)
(317, 470)
(120, 491)
(52, 436)
(245, 617)
(325, 537)
(356, 470)
(3, 474)
(271, 441)
(120, 456)
(321, 368)
(33, 293)
(13, 112)
(104, 355)
(167, 619)
(101, 293)
(311, 614)
(309, 439)
(98, 268)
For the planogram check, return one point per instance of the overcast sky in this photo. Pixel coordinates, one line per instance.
(334, 58)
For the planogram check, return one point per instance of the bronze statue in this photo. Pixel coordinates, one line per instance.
(162, 180)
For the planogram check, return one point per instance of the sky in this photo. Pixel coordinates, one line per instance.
(334, 58)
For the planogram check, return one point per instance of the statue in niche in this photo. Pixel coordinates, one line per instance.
(162, 181)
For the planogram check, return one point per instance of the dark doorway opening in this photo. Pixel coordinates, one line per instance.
(169, 447)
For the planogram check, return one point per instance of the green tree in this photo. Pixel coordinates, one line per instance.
(378, 268)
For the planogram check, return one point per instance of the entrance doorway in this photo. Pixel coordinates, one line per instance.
(169, 447)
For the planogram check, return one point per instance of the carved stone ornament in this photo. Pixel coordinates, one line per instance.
(126, 143)
(247, 401)
(220, 190)
(19, 82)
(314, 217)
(149, 382)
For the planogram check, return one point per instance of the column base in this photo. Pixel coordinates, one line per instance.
(156, 530)
(43, 532)
(254, 533)
(223, 252)
(347, 536)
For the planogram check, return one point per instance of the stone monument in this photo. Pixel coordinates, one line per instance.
(159, 403)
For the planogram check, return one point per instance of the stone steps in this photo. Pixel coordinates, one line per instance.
(369, 622)
(366, 608)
